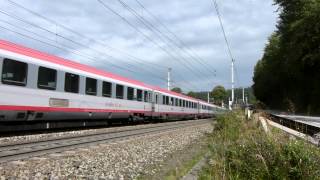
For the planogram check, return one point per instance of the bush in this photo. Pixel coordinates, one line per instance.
(242, 150)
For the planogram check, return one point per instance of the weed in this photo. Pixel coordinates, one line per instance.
(241, 150)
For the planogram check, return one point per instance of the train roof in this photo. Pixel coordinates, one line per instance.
(15, 48)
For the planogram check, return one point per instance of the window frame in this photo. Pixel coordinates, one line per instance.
(44, 86)
(163, 99)
(93, 93)
(122, 92)
(104, 87)
(131, 97)
(13, 82)
(146, 96)
(78, 79)
(139, 91)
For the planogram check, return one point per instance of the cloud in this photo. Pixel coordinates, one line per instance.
(248, 24)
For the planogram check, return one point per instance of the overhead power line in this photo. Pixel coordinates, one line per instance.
(70, 40)
(89, 39)
(104, 5)
(175, 47)
(107, 7)
(222, 28)
(229, 50)
(181, 43)
(152, 65)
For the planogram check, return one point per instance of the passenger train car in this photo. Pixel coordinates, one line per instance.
(37, 87)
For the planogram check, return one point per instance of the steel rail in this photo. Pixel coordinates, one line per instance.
(33, 149)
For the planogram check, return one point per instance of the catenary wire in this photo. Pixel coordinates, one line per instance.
(64, 27)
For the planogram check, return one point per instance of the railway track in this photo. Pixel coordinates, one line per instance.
(19, 151)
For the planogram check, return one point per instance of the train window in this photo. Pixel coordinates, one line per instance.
(146, 96)
(180, 102)
(71, 83)
(106, 89)
(14, 72)
(91, 86)
(156, 98)
(177, 102)
(119, 91)
(167, 100)
(171, 102)
(130, 93)
(139, 94)
(163, 99)
(183, 103)
(47, 78)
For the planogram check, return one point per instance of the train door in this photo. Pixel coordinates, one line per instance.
(155, 102)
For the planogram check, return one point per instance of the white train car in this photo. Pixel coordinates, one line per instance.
(36, 86)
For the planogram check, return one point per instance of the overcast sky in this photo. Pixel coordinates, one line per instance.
(191, 42)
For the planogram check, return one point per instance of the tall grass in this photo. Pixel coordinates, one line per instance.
(242, 150)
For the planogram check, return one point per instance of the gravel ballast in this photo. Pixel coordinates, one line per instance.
(125, 159)
(55, 135)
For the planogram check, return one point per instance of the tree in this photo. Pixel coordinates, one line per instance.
(287, 76)
(177, 90)
(192, 94)
(219, 94)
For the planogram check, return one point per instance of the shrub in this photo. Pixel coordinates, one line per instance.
(242, 150)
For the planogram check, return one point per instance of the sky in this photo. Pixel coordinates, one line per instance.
(141, 39)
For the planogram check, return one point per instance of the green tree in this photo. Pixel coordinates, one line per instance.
(219, 94)
(192, 94)
(176, 89)
(287, 77)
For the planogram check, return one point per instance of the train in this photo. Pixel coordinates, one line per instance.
(39, 89)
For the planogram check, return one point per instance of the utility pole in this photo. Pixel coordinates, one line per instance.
(232, 85)
(232, 81)
(208, 97)
(169, 78)
(243, 95)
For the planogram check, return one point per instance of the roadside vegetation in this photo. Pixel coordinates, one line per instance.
(240, 149)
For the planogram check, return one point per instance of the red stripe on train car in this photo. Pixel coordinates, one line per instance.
(57, 109)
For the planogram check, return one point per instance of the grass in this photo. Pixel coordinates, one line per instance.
(179, 163)
(186, 165)
(240, 149)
